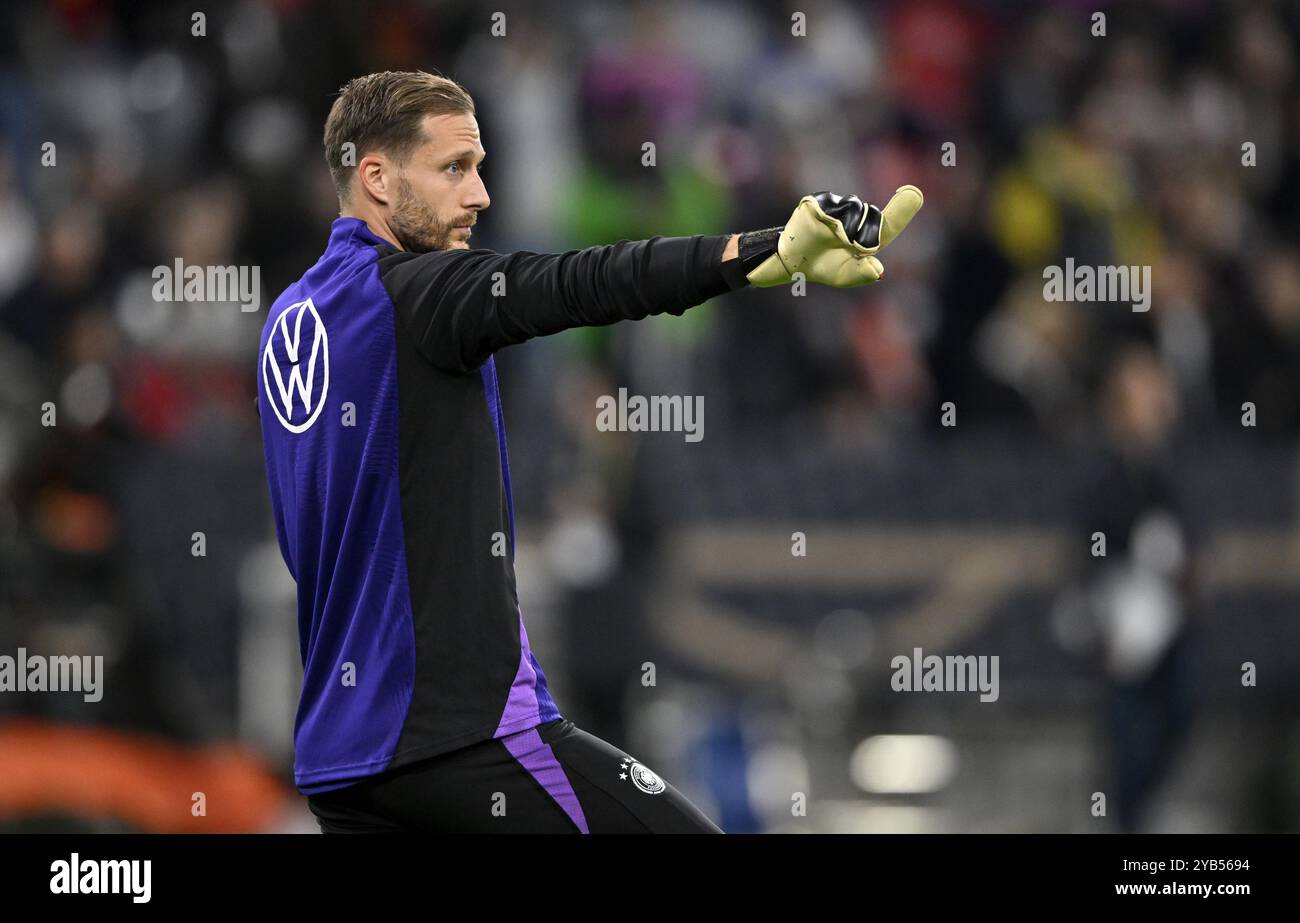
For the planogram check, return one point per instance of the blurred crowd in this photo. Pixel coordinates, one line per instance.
(128, 141)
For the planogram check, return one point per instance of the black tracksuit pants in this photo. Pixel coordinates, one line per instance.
(554, 778)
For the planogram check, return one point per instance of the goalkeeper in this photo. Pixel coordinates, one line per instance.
(423, 706)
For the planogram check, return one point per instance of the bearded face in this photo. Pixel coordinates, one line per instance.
(419, 226)
(426, 198)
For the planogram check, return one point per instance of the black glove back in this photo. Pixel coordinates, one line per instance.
(861, 221)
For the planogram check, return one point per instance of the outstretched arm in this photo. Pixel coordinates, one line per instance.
(463, 305)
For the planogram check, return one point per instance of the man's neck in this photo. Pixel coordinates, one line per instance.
(378, 226)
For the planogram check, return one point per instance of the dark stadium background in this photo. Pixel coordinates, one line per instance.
(822, 414)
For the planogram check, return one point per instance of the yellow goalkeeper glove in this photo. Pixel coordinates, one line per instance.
(831, 239)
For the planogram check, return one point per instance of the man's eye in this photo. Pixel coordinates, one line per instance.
(454, 164)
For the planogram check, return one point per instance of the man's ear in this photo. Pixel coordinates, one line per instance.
(375, 177)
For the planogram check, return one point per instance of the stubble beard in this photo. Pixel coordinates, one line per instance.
(417, 226)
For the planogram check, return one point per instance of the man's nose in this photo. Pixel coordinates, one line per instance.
(478, 195)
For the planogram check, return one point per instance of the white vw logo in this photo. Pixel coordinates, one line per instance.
(300, 383)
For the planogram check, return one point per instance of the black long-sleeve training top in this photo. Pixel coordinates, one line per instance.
(390, 483)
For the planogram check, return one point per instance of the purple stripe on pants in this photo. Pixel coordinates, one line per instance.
(535, 756)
